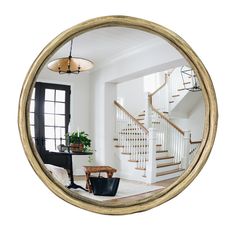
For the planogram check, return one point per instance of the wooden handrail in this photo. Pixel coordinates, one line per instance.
(167, 76)
(166, 118)
(174, 125)
(158, 89)
(131, 117)
(194, 142)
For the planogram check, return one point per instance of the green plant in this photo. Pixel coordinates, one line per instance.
(84, 139)
(73, 137)
(80, 137)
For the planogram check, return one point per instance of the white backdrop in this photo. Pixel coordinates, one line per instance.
(27, 207)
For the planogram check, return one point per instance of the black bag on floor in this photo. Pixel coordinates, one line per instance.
(104, 186)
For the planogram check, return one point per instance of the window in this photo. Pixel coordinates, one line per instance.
(49, 115)
(32, 113)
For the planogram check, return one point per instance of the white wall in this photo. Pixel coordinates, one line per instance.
(133, 95)
(194, 122)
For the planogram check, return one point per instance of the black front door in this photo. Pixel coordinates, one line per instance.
(50, 115)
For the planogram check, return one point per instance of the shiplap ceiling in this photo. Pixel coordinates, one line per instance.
(103, 44)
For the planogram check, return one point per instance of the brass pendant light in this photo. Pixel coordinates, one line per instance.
(70, 65)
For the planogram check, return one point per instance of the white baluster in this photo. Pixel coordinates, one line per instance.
(151, 164)
(185, 159)
(148, 112)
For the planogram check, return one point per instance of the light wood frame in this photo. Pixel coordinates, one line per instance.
(211, 117)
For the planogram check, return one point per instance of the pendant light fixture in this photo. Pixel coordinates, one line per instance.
(70, 65)
(186, 74)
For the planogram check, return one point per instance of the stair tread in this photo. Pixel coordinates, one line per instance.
(139, 145)
(140, 119)
(153, 122)
(130, 129)
(175, 95)
(118, 146)
(160, 151)
(140, 168)
(158, 145)
(164, 158)
(130, 133)
(171, 101)
(169, 172)
(168, 164)
(135, 139)
(181, 89)
(147, 152)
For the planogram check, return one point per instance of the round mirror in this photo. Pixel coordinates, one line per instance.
(117, 115)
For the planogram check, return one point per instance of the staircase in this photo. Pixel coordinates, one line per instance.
(151, 147)
(133, 144)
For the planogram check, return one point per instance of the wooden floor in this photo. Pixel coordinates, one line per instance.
(164, 183)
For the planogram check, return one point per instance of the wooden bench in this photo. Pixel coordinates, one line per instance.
(97, 169)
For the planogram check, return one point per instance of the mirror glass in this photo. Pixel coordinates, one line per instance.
(116, 114)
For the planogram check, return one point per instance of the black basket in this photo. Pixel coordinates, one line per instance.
(104, 186)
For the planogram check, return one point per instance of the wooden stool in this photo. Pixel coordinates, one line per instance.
(97, 169)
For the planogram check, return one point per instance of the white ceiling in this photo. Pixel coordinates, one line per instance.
(104, 44)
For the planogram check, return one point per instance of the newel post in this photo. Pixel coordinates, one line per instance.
(151, 163)
(148, 112)
(185, 160)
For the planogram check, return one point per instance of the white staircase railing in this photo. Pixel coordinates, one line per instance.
(140, 141)
(194, 145)
(172, 138)
(132, 136)
(169, 136)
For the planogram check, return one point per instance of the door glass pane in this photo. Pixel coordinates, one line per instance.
(32, 131)
(50, 144)
(60, 96)
(49, 107)
(60, 132)
(58, 142)
(54, 112)
(49, 120)
(33, 94)
(49, 94)
(60, 120)
(31, 118)
(60, 108)
(32, 106)
(49, 132)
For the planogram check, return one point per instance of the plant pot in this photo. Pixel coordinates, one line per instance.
(76, 147)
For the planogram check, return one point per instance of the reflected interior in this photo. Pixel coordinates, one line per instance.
(135, 120)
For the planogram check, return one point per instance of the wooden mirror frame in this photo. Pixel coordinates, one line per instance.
(211, 116)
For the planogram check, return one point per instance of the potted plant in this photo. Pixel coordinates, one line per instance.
(79, 141)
